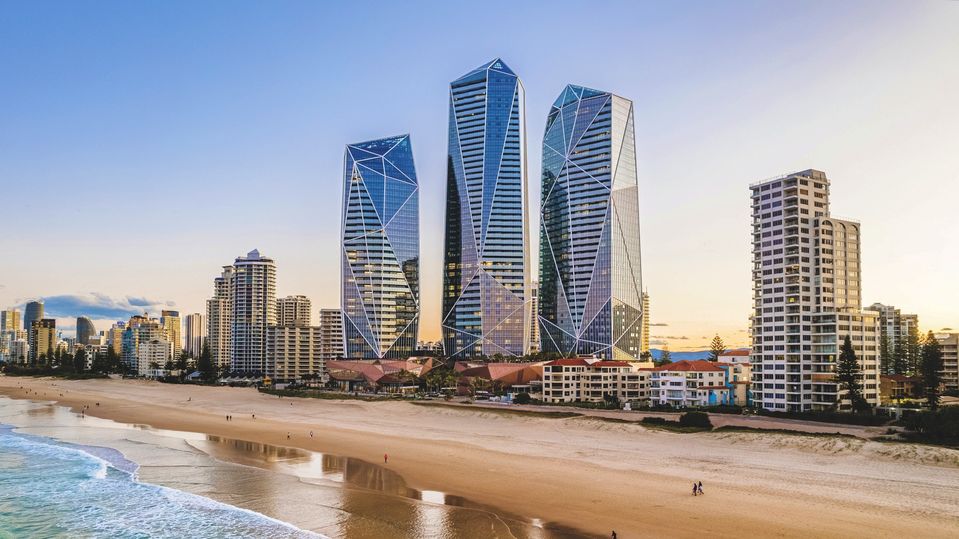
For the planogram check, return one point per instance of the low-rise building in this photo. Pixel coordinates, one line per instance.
(591, 380)
(738, 378)
(735, 355)
(689, 383)
(896, 387)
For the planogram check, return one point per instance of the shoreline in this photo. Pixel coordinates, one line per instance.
(580, 474)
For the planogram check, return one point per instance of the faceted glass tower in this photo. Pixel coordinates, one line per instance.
(590, 284)
(380, 300)
(486, 271)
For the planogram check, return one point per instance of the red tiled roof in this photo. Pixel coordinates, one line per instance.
(736, 352)
(569, 362)
(699, 365)
(607, 363)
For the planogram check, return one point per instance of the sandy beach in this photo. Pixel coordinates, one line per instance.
(585, 473)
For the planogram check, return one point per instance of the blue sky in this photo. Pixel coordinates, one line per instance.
(144, 145)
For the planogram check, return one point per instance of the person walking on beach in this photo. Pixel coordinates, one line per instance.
(386, 458)
(311, 434)
(700, 488)
(694, 488)
(613, 535)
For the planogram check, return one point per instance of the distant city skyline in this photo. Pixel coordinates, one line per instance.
(184, 144)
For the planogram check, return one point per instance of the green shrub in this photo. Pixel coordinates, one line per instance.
(654, 420)
(695, 419)
(941, 426)
(522, 398)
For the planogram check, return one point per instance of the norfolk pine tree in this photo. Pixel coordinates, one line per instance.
(716, 348)
(930, 369)
(847, 374)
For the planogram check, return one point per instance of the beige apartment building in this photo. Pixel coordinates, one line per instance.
(591, 380)
(172, 326)
(295, 353)
(331, 334)
(152, 356)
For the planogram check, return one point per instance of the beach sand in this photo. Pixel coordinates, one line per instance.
(586, 473)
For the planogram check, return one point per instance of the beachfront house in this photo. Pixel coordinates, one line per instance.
(689, 383)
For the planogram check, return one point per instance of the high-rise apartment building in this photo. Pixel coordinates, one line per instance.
(43, 338)
(140, 330)
(294, 311)
(806, 297)
(32, 312)
(486, 260)
(590, 284)
(331, 335)
(253, 301)
(194, 329)
(172, 326)
(380, 290)
(9, 320)
(85, 330)
(534, 345)
(219, 316)
(644, 344)
(9, 331)
(115, 337)
(295, 352)
(898, 335)
(153, 356)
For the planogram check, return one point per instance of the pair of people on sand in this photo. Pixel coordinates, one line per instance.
(697, 488)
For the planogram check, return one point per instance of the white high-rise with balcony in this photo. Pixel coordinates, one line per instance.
(806, 297)
(219, 314)
(294, 311)
(253, 298)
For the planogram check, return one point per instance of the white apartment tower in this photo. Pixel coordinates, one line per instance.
(194, 329)
(534, 345)
(806, 297)
(294, 311)
(253, 298)
(219, 314)
(331, 335)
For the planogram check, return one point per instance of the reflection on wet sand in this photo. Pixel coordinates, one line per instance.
(377, 501)
(333, 495)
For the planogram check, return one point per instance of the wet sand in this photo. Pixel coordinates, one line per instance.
(586, 474)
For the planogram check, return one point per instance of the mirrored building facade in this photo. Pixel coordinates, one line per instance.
(486, 308)
(380, 294)
(590, 284)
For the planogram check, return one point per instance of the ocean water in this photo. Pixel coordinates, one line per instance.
(53, 489)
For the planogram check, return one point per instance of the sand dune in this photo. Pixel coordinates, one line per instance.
(583, 472)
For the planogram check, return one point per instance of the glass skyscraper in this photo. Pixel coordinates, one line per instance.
(590, 285)
(380, 295)
(486, 268)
